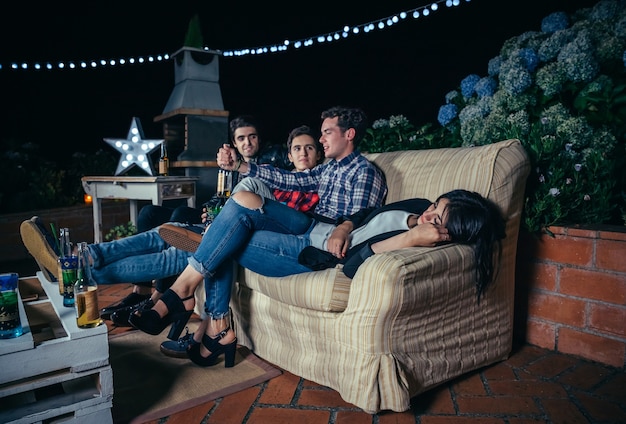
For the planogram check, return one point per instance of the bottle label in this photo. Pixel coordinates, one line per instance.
(87, 305)
(60, 276)
(163, 167)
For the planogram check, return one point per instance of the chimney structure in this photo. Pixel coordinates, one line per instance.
(195, 124)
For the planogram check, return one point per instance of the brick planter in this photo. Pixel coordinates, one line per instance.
(571, 292)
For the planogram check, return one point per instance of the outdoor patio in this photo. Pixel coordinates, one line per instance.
(534, 385)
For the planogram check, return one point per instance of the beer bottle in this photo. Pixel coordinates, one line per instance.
(164, 162)
(86, 292)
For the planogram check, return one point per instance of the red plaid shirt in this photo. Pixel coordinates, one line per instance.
(299, 200)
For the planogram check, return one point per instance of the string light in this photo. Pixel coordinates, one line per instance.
(345, 32)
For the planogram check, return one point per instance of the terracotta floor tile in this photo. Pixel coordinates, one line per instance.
(497, 405)
(562, 411)
(281, 389)
(287, 416)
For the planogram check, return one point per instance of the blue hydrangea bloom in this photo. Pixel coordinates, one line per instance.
(554, 22)
(468, 84)
(486, 87)
(446, 114)
(514, 78)
(493, 68)
(529, 58)
(624, 58)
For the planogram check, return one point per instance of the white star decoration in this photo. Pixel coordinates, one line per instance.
(134, 149)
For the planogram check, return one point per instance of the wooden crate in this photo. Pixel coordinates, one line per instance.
(55, 371)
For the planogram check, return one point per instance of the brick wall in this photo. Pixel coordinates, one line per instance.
(571, 292)
(79, 219)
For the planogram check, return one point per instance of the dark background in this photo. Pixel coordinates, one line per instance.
(406, 69)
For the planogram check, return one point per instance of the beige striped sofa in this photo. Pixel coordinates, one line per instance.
(409, 319)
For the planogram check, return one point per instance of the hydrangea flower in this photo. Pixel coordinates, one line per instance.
(493, 67)
(554, 22)
(529, 58)
(380, 123)
(514, 78)
(550, 79)
(446, 114)
(398, 121)
(468, 84)
(559, 91)
(486, 86)
(452, 96)
(577, 61)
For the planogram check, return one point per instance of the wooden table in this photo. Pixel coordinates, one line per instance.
(155, 189)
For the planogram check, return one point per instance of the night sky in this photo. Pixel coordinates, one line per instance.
(406, 69)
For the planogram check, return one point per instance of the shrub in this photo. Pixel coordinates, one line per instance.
(562, 92)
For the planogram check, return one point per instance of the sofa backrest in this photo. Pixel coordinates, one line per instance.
(497, 171)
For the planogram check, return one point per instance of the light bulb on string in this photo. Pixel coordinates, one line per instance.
(381, 24)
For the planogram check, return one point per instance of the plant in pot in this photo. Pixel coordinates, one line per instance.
(121, 231)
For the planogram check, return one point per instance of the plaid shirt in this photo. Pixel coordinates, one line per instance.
(344, 187)
(298, 200)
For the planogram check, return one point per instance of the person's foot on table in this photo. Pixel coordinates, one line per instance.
(41, 244)
(180, 237)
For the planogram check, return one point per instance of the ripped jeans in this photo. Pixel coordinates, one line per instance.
(266, 240)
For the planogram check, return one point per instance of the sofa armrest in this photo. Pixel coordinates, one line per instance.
(415, 300)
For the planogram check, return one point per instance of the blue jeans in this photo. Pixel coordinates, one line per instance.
(267, 240)
(144, 256)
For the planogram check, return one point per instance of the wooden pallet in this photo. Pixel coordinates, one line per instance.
(55, 371)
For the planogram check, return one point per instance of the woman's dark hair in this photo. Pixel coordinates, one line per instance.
(349, 118)
(476, 221)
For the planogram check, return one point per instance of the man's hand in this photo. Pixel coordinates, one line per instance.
(339, 241)
(227, 157)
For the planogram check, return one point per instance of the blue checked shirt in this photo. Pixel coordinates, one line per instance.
(345, 187)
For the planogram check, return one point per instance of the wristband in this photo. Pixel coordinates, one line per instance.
(237, 166)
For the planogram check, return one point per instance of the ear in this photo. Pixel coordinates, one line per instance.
(350, 133)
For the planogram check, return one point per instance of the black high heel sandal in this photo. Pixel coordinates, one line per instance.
(216, 349)
(150, 322)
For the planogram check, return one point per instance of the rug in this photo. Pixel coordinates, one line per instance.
(149, 385)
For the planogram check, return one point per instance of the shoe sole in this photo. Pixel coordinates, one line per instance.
(38, 247)
(180, 238)
(174, 353)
